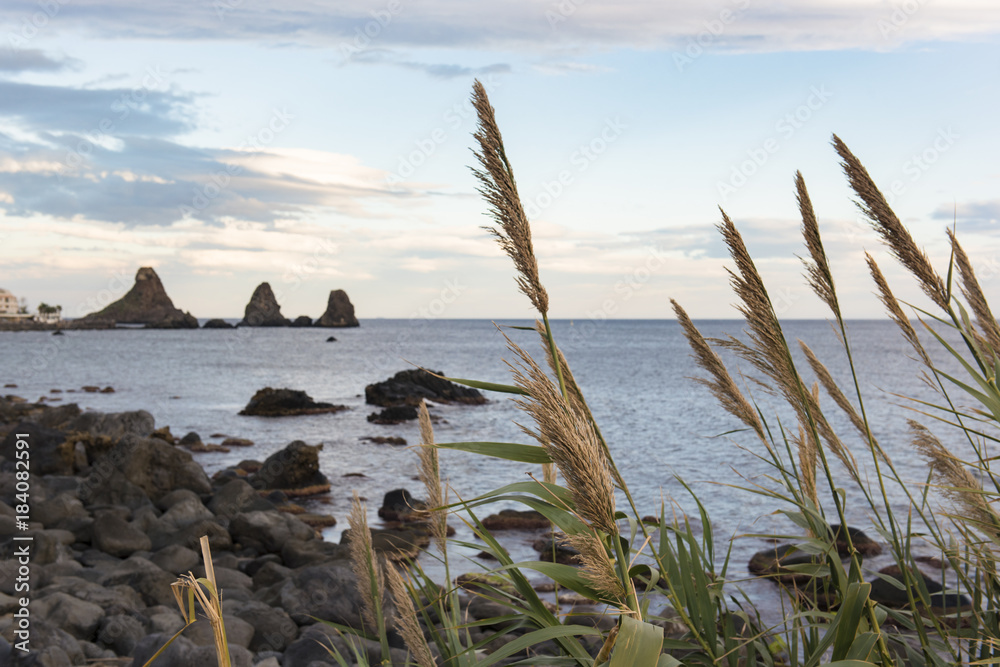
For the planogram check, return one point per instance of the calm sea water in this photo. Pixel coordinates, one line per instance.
(661, 425)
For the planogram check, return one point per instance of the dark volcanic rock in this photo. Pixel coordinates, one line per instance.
(263, 309)
(399, 505)
(516, 520)
(146, 303)
(48, 455)
(216, 324)
(394, 415)
(339, 311)
(270, 402)
(409, 387)
(294, 468)
(302, 321)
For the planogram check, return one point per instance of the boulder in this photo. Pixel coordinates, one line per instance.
(293, 469)
(297, 553)
(176, 559)
(396, 544)
(396, 414)
(263, 309)
(267, 532)
(145, 578)
(339, 311)
(178, 654)
(76, 617)
(273, 629)
(106, 485)
(411, 386)
(237, 496)
(121, 632)
(146, 303)
(270, 402)
(310, 649)
(400, 505)
(216, 323)
(45, 446)
(556, 550)
(328, 592)
(113, 535)
(157, 468)
(302, 321)
(516, 520)
(115, 425)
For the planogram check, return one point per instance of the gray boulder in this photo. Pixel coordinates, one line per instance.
(274, 630)
(237, 496)
(121, 633)
(268, 531)
(117, 537)
(149, 581)
(176, 559)
(178, 654)
(77, 617)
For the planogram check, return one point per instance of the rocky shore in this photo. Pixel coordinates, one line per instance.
(117, 508)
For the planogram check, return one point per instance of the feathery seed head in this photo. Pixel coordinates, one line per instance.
(498, 187)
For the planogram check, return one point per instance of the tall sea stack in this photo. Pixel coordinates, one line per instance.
(146, 303)
(339, 311)
(263, 309)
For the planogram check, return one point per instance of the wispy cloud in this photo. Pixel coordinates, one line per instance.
(33, 60)
(532, 25)
(972, 216)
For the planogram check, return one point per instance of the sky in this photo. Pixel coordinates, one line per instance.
(323, 145)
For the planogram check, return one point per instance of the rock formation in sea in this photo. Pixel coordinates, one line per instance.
(146, 303)
(269, 402)
(217, 324)
(263, 309)
(339, 311)
(302, 321)
(409, 387)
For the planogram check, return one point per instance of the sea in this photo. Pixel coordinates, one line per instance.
(665, 430)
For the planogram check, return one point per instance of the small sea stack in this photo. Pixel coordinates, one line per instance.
(339, 311)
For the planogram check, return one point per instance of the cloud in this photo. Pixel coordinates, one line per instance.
(734, 25)
(971, 216)
(436, 70)
(141, 110)
(33, 60)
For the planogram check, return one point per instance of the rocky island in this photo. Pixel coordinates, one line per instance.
(146, 303)
(263, 309)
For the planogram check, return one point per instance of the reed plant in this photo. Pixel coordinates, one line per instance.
(830, 612)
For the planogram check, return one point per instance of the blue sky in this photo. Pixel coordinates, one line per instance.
(320, 145)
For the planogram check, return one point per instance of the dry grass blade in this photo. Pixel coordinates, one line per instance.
(888, 226)
(430, 475)
(722, 385)
(406, 619)
(497, 185)
(818, 272)
(957, 484)
(896, 311)
(973, 294)
(364, 563)
(570, 441)
(830, 436)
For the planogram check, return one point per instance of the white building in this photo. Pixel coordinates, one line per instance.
(8, 304)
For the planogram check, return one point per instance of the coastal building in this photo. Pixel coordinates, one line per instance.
(9, 305)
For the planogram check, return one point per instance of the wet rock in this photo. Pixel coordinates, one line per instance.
(393, 415)
(400, 505)
(270, 402)
(146, 303)
(516, 520)
(774, 563)
(385, 440)
(190, 438)
(865, 545)
(339, 311)
(331, 339)
(294, 470)
(887, 593)
(396, 544)
(556, 551)
(263, 309)
(411, 386)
